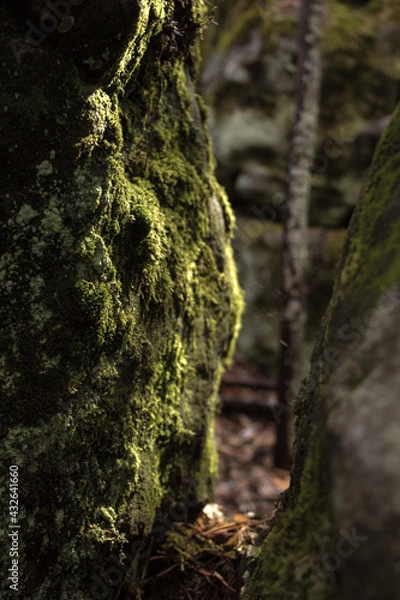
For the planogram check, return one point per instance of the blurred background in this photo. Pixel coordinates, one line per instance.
(248, 82)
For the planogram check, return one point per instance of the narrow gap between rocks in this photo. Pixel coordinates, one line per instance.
(207, 559)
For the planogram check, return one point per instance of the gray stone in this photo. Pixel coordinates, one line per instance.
(258, 252)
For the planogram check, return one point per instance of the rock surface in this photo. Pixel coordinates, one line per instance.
(336, 536)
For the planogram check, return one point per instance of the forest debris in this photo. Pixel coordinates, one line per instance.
(205, 559)
(247, 481)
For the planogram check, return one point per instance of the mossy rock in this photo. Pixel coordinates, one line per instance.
(336, 535)
(119, 298)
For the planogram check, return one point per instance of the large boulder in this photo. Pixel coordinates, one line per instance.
(336, 536)
(118, 293)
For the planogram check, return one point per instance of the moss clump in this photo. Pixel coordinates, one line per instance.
(296, 545)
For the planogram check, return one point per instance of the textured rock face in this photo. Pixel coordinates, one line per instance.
(119, 298)
(363, 391)
(337, 534)
(249, 78)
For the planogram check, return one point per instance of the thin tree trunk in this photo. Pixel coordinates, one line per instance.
(295, 222)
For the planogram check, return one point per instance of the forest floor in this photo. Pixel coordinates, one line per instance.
(206, 560)
(245, 437)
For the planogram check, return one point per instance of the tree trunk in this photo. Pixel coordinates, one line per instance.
(336, 534)
(295, 221)
(119, 298)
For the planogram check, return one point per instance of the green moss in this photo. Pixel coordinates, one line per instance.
(375, 223)
(290, 566)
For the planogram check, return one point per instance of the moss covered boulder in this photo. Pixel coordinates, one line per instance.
(336, 536)
(118, 294)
